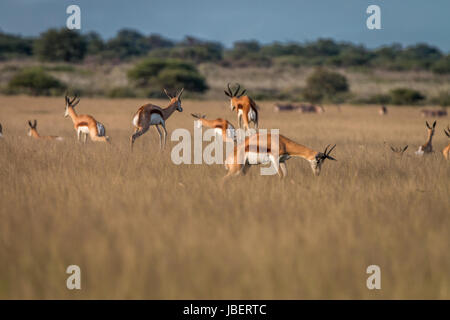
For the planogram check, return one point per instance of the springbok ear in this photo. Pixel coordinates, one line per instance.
(404, 149)
(30, 124)
(35, 124)
(167, 94)
(227, 93)
(74, 104)
(428, 126)
(434, 124)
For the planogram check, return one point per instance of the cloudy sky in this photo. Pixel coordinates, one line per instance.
(403, 21)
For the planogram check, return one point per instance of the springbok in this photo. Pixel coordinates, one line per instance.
(85, 124)
(256, 150)
(382, 111)
(245, 107)
(1, 131)
(221, 126)
(152, 115)
(399, 151)
(32, 132)
(427, 147)
(433, 113)
(304, 108)
(446, 150)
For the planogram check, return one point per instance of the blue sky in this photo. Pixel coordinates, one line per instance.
(403, 21)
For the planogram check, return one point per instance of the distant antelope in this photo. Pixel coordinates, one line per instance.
(221, 126)
(446, 150)
(32, 132)
(245, 107)
(383, 111)
(304, 108)
(285, 107)
(399, 151)
(259, 151)
(152, 115)
(85, 124)
(427, 147)
(433, 113)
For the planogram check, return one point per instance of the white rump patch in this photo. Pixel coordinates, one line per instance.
(135, 120)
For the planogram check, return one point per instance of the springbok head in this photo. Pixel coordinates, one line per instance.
(70, 104)
(176, 99)
(32, 127)
(447, 132)
(320, 157)
(234, 96)
(431, 128)
(198, 116)
(399, 151)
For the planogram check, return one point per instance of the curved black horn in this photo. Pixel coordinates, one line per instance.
(229, 90)
(242, 93)
(237, 90)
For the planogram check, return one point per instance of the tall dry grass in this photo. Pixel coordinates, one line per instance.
(142, 227)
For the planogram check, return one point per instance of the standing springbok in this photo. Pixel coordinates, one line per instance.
(85, 124)
(221, 126)
(446, 150)
(382, 111)
(258, 149)
(32, 132)
(245, 107)
(152, 115)
(427, 147)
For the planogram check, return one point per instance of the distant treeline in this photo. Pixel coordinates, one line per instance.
(71, 46)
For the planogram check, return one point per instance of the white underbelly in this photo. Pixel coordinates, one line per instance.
(252, 115)
(83, 129)
(156, 119)
(258, 158)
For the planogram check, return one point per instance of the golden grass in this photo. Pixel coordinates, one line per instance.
(142, 227)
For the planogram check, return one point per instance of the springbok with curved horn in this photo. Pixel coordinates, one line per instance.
(245, 107)
(222, 127)
(399, 151)
(32, 132)
(446, 150)
(427, 147)
(85, 124)
(258, 149)
(152, 115)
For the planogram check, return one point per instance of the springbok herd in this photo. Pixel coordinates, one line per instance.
(255, 148)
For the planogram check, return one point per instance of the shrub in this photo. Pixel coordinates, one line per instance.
(405, 96)
(14, 46)
(325, 85)
(167, 73)
(442, 66)
(121, 92)
(442, 99)
(60, 45)
(35, 81)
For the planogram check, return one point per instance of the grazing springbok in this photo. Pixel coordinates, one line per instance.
(433, 113)
(427, 147)
(382, 111)
(305, 108)
(32, 132)
(1, 131)
(446, 150)
(221, 126)
(399, 151)
(85, 124)
(246, 108)
(258, 149)
(152, 115)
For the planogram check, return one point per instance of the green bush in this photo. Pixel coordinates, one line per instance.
(121, 92)
(325, 85)
(60, 45)
(442, 99)
(167, 73)
(35, 81)
(442, 66)
(405, 96)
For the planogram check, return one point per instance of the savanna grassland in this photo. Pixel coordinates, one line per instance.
(142, 227)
